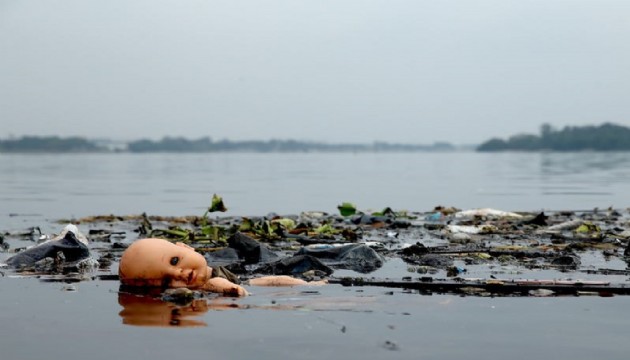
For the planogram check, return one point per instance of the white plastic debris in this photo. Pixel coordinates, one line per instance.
(323, 246)
(312, 215)
(374, 244)
(487, 213)
(461, 238)
(471, 229)
(567, 225)
(70, 228)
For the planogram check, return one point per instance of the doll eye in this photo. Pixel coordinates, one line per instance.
(174, 260)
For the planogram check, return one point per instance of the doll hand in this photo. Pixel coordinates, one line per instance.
(318, 282)
(236, 290)
(224, 287)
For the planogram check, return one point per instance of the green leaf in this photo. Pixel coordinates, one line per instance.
(347, 209)
(325, 229)
(246, 225)
(386, 212)
(287, 223)
(587, 228)
(217, 204)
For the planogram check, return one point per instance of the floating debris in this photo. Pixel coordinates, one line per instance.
(442, 245)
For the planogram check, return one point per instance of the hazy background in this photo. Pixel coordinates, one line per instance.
(325, 70)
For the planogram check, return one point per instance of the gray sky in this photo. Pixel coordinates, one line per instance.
(326, 70)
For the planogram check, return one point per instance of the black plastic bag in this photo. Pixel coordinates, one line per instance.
(72, 249)
(358, 257)
(295, 266)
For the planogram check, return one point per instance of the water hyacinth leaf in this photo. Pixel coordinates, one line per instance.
(587, 228)
(484, 256)
(266, 227)
(288, 224)
(211, 232)
(386, 212)
(172, 233)
(145, 227)
(405, 215)
(277, 228)
(347, 209)
(325, 229)
(217, 204)
(246, 225)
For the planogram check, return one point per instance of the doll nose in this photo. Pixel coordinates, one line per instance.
(186, 274)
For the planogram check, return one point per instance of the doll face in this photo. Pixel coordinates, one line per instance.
(157, 262)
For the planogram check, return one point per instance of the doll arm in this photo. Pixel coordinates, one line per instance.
(225, 287)
(282, 280)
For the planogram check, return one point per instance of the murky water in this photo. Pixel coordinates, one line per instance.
(42, 320)
(90, 319)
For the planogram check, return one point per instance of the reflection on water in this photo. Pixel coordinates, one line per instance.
(151, 311)
(584, 174)
(84, 324)
(147, 311)
(558, 181)
(554, 164)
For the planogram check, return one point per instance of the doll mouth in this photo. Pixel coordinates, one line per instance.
(192, 277)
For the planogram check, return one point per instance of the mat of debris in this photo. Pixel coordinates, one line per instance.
(479, 252)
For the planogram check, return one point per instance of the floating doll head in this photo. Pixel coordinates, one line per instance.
(160, 263)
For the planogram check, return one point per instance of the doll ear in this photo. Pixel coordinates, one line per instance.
(184, 245)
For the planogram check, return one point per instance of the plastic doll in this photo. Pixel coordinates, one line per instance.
(160, 263)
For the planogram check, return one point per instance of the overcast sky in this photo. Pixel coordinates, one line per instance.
(326, 70)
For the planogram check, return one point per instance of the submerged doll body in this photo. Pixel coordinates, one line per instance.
(160, 263)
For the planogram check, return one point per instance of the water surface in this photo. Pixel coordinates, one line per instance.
(86, 320)
(66, 186)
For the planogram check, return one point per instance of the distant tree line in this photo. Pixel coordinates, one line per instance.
(49, 144)
(606, 137)
(34, 144)
(171, 144)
